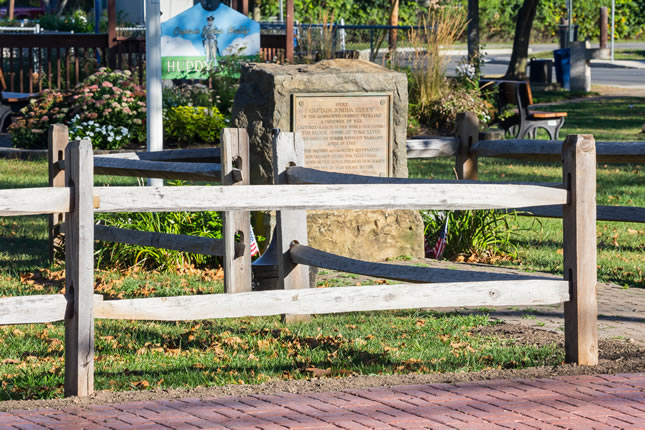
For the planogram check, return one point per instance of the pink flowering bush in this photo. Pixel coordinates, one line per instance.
(109, 100)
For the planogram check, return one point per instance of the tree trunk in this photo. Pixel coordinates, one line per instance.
(519, 58)
(394, 21)
(473, 32)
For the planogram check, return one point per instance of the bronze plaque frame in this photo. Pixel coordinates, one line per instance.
(297, 102)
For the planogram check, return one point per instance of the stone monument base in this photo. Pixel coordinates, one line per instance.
(371, 235)
(361, 109)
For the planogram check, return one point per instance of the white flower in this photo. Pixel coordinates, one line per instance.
(467, 70)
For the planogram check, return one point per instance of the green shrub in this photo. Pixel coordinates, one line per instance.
(76, 22)
(30, 130)
(189, 95)
(226, 81)
(440, 113)
(108, 107)
(223, 83)
(189, 124)
(353, 11)
(121, 255)
(483, 232)
(496, 17)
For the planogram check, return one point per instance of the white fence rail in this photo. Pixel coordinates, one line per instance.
(79, 307)
(467, 149)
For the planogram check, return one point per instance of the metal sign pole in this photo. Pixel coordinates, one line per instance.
(570, 17)
(97, 16)
(613, 22)
(153, 81)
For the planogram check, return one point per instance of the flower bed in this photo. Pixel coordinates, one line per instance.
(108, 107)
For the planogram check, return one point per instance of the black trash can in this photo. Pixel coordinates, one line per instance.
(563, 34)
(541, 71)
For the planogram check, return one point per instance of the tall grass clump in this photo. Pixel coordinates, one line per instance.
(482, 235)
(122, 255)
(440, 29)
(315, 44)
(435, 100)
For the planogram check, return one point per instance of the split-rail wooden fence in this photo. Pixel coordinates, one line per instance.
(466, 147)
(296, 190)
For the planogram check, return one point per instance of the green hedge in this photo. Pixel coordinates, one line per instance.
(497, 17)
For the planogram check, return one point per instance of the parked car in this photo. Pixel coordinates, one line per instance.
(29, 9)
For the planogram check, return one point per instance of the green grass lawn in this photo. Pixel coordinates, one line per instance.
(143, 355)
(621, 246)
(611, 119)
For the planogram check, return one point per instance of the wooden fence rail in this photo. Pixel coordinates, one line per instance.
(467, 149)
(79, 307)
(185, 164)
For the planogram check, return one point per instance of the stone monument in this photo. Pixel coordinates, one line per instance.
(352, 115)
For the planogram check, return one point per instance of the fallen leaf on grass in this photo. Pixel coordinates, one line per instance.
(10, 361)
(319, 373)
(141, 384)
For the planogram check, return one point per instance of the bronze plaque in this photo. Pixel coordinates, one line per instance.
(345, 134)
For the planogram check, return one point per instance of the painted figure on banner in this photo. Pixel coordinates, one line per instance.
(194, 42)
(209, 36)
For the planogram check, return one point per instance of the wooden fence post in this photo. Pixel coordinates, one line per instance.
(467, 131)
(289, 31)
(58, 139)
(110, 51)
(579, 236)
(79, 271)
(237, 268)
(291, 226)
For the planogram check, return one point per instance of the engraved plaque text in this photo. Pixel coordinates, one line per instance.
(346, 134)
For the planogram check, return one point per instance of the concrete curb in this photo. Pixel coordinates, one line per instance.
(619, 64)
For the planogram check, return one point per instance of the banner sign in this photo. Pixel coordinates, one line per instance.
(192, 41)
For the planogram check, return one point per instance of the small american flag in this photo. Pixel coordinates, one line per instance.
(253, 243)
(442, 241)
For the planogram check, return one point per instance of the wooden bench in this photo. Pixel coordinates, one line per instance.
(10, 102)
(525, 122)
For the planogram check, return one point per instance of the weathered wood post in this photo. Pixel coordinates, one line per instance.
(237, 268)
(57, 141)
(291, 226)
(603, 23)
(467, 131)
(579, 236)
(79, 270)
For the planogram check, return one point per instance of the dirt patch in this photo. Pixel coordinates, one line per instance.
(616, 356)
(605, 90)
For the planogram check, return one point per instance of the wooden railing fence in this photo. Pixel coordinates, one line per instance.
(34, 62)
(207, 164)
(299, 189)
(467, 149)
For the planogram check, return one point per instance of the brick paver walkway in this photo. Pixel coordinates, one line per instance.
(581, 402)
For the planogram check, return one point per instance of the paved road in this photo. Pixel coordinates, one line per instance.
(601, 73)
(582, 402)
(619, 74)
